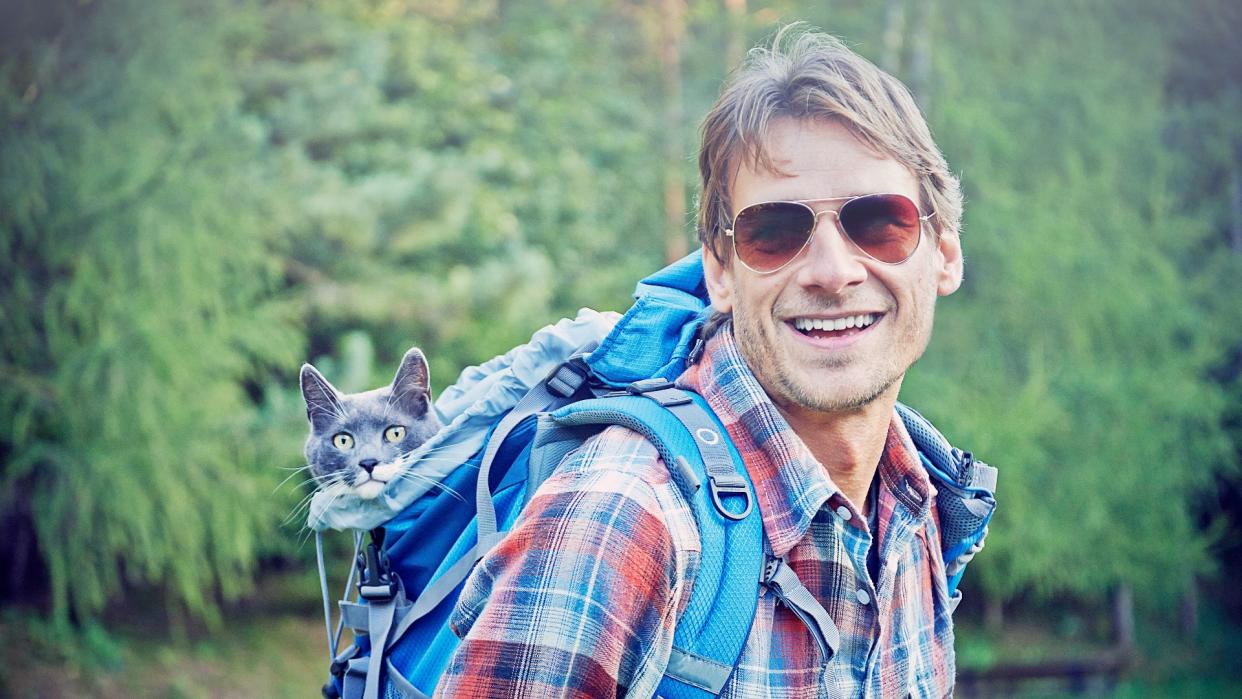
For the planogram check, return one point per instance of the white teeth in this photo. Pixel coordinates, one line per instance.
(856, 321)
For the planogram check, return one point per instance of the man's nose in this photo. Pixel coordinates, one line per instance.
(368, 464)
(832, 262)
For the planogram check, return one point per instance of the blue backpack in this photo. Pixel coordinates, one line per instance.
(511, 421)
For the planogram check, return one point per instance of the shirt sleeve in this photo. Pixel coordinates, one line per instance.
(581, 597)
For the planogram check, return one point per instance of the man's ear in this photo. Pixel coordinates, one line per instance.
(949, 274)
(719, 282)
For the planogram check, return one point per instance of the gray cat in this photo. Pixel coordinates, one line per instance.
(357, 440)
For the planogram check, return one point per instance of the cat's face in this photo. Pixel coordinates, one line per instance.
(357, 439)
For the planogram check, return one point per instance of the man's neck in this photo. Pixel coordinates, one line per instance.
(848, 444)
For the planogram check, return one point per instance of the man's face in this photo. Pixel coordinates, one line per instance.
(842, 370)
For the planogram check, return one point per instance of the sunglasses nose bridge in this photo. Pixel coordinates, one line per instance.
(836, 220)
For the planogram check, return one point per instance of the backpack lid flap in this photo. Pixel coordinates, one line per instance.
(658, 333)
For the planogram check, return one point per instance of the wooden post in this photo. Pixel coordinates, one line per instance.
(1189, 610)
(1123, 618)
(1235, 210)
(994, 614)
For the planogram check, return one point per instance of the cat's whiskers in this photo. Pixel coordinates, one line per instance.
(294, 472)
(416, 455)
(335, 483)
(297, 512)
(435, 483)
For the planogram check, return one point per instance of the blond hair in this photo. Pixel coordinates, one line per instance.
(806, 74)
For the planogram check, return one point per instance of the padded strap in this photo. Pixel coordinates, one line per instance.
(955, 567)
(725, 482)
(713, 629)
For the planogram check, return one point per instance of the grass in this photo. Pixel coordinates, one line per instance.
(273, 646)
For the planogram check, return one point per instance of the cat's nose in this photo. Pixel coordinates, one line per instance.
(368, 464)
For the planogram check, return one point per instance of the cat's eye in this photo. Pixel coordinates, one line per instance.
(394, 433)
(342, 440)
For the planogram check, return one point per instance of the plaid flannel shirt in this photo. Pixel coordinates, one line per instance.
(582, 597)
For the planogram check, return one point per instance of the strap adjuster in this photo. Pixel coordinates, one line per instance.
(567, 377)
(718, 488)
(660, 390)
(648, 386)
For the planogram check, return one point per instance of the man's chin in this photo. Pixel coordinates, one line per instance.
(831, 390)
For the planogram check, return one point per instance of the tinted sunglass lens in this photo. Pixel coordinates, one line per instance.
(767, 236)
(885, 226)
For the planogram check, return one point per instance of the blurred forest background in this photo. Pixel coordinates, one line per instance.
(198, 195)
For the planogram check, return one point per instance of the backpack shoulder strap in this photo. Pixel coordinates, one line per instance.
(709, 472)
(966, 494)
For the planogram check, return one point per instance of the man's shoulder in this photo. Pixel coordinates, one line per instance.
(618, 464)
(615, 454)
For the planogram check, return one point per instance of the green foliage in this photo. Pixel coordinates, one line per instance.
(135, 277)
(436, 183)
(1082, 342)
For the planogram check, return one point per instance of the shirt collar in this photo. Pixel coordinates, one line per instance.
(790, 484)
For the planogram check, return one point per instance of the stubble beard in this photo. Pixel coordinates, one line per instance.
(790, 386)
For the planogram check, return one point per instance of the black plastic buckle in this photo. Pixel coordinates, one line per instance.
(337, 670)
(376, 582)
(739, 487)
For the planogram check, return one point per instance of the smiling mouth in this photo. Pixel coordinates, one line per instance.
(844, 326)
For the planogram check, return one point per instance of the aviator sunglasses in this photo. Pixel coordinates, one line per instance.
(770, 235)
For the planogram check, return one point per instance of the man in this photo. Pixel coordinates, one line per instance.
(829, 222)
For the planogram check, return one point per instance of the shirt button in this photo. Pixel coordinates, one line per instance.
(844, 513)
(862, 597)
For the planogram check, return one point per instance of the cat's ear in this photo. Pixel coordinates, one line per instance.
(323, 402)
(411, 388)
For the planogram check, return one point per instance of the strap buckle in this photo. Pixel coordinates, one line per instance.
(718, 488)
(770, 568)
(567, 377)
(376, 582)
